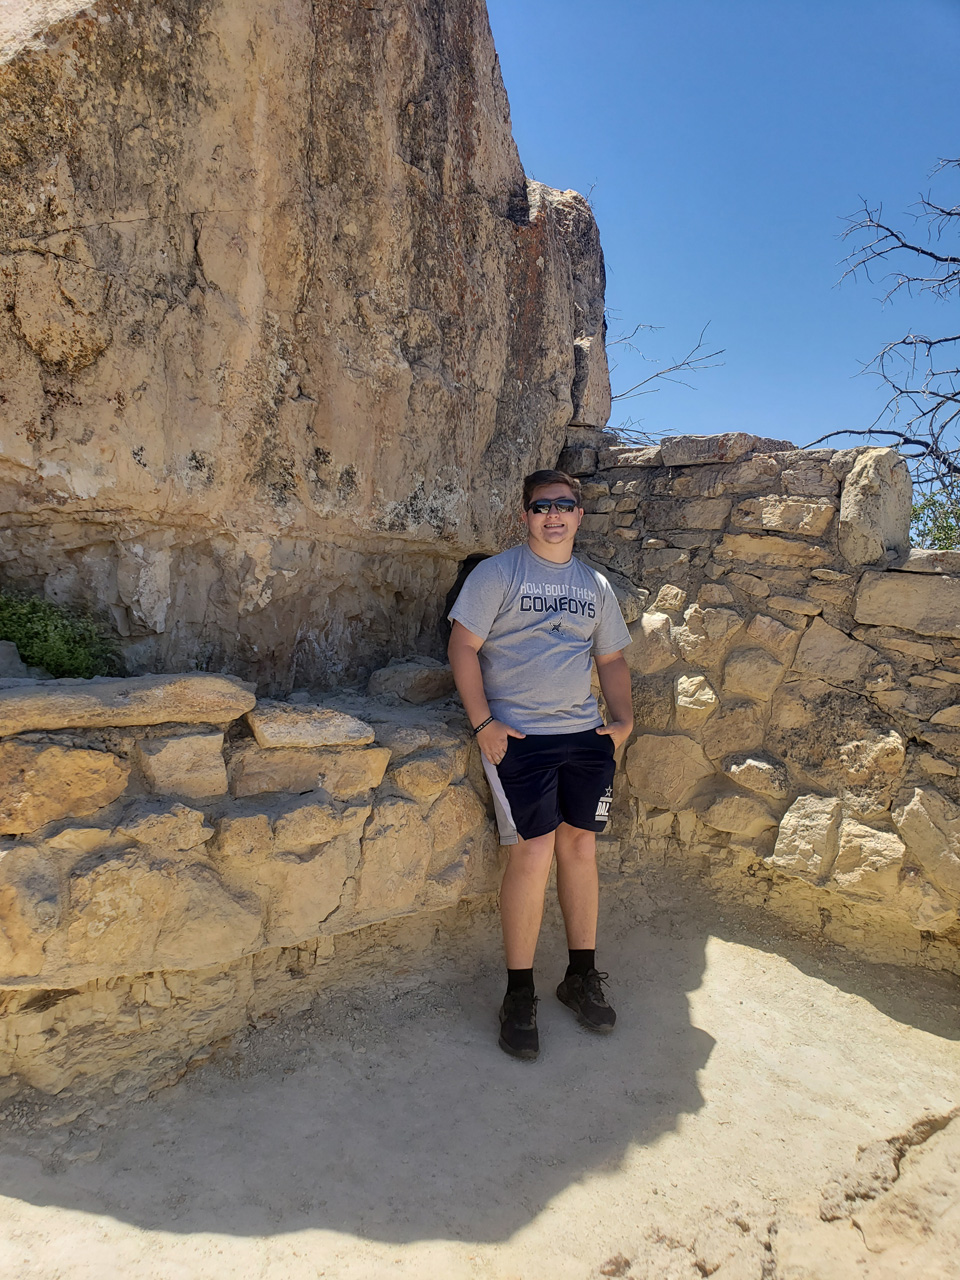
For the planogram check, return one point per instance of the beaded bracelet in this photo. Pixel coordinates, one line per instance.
(489, 720)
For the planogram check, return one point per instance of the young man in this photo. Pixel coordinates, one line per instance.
(525, 627)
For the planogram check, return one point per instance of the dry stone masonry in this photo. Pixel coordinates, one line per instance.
(796, 677)
(209, 838)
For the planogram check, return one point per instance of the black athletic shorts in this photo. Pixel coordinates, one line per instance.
(559, 777)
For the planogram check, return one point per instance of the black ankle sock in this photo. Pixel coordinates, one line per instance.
(581, 962)
(519, 980)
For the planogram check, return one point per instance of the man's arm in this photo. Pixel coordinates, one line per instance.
(617, 694)
(462, 651)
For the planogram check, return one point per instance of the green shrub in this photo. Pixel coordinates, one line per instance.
(65, 642)
(936, 522)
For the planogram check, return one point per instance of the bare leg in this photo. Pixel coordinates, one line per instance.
(521, 898)
(578, 886)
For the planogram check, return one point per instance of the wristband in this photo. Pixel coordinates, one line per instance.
(489, 720)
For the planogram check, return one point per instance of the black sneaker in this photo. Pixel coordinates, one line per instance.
(518, 1025)
(583, 993)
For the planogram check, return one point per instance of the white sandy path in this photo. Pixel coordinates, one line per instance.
(384, 1134)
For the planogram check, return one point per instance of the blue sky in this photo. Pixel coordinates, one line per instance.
(722, 142)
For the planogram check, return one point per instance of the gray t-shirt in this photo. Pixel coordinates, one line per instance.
(540, 623)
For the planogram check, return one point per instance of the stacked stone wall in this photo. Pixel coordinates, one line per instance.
(177, 855)
(796, 671)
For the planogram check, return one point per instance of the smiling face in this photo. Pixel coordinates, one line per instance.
(551, 536)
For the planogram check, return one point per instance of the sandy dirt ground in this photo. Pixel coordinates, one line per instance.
(382, 1133)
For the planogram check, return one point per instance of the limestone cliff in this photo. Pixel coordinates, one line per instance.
(283, 322)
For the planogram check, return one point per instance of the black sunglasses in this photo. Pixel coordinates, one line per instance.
(543, 508)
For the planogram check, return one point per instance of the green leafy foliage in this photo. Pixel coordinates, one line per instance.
(936, 522)
(63, 641)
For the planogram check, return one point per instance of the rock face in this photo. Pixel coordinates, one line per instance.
(226, 342)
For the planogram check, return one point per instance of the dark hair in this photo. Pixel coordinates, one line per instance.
(540, 479)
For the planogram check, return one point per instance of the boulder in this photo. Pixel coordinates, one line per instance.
(876, 505)
(31, 905)
(279, 724)
(191, 765)
(41, 783)
(666, 770)
(195, 698)
(303, 891)
(808, 839)
(299, 827)
(415, 680)
(352, 771)
(457, 814)
(169, 828)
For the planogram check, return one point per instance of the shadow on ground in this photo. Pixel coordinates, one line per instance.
(389, 1112)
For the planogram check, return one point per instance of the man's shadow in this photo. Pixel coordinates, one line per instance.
(389, 1112)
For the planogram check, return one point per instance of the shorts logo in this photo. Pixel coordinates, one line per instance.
(603, 808)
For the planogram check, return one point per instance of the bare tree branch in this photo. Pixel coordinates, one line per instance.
(692, 361)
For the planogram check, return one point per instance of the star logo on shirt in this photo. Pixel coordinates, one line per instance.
(557, 627)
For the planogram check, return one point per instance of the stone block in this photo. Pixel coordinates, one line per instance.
(352, 771)
(578, 461)
(808, 517)
(749, 583)
(934, 767)
(868, 863)
(706, 634)
(832, 655)
(740, 814)
(651, 647)
(658, 514)
(663, 559)
(415, 680)
(402, 739)
(752, 673)
(949, 716)
(669, 599)
(766, 777)
(39, 784)
(31, 905)
(876, 505)
(168, 827)
(305, 890)
(457, 814)
(808, 838)
(927, 560)
(423, 777)
(191, 765)
(687, 451)
(776, 637)
(925, 604)
(195, 698)
(594, 523)
(795, 604)
(737, 726)
(278, 724)
(771, 549)
(301, 827)
(254, 769)
(629, 456)
(695, 701)
(712, 594)
(810, 480)
(666, 771)
(396, 854)
(930, 826)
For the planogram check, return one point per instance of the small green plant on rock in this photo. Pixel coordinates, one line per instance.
(65, 642)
